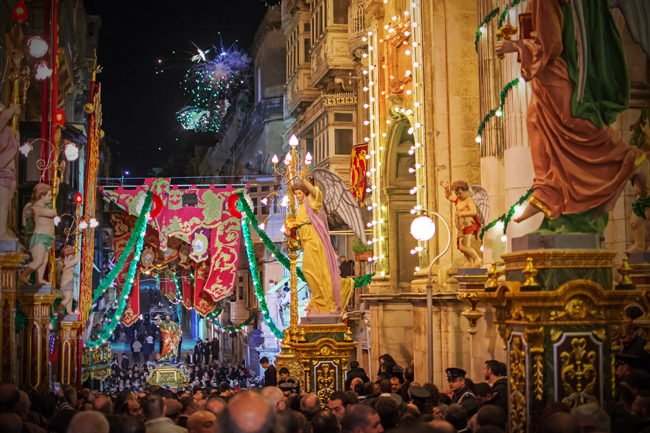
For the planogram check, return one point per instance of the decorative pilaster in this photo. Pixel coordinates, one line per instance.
(67, 360)
(8, 366)
(36, 307)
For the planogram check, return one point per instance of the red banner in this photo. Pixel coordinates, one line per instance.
(358, 164)
(203, 303)
(132, 310)
(224, 249)
(187, 287)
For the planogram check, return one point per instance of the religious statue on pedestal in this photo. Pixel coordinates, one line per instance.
(39, 227)
(8, 149)
(573, 59)
(472, 211)
(171, 332)
(67, 260)
(329, 293)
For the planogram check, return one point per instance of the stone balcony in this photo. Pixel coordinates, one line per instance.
(357, 32)
(330, 57)
(300, 93)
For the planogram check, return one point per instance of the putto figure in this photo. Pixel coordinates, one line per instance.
(40, 232)
(69, 260)
(472, 209)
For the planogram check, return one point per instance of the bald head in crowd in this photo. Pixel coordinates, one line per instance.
(441, 426)
(88, 422)
(560, 422)
(248, 412)
(216, 405)
(9, 398)
(202, 422)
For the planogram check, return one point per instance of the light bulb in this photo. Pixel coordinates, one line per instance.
(293, 141)
(275, 159)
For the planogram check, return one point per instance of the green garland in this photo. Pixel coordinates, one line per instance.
(215, 314)
(255, 273)
(268, 243)
(506, 217)
(140, 230)
(502, 100)
(486, 20)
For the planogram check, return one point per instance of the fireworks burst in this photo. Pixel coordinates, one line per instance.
(214, 79)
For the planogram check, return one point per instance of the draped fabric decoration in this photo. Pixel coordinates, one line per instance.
(167, 285)
(123, 226)
(224, 250)
(203, 302)
(187, 287)
(132, 311)
(358, 171)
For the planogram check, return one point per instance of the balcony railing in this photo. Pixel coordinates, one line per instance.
(356, 25)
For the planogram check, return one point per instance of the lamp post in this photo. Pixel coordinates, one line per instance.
(422, 229)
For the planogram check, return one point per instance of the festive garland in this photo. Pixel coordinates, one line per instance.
(255, 273)
(506, 217)
(489, 17)
(491, 113)
(284, 260)
(140, 228)
(215, 314)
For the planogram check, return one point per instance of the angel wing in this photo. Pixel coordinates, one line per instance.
(338, 197)
(482, 202)
(637, 19)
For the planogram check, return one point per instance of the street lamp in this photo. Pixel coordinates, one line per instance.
(422, 229)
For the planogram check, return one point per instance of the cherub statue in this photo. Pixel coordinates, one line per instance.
(69, 260)
(41, 236)
(8, 149)
(641, 207)
(472, 210)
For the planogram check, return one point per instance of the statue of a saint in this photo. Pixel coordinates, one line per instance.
(171, 332)
(576, 67)
(40, 229)
(329, 293)
(8, 149)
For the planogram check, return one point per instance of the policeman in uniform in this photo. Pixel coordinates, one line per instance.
(461, 392)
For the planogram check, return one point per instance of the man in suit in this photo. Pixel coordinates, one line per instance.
(191, 359)
(270, 375)
(207, 348)
(215, 349)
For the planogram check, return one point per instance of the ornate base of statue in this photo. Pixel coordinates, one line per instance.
(472, 279)
(318, 356)
(640, 274)
(169, 375)
(96, 365)
(11, 247)
(561, 320)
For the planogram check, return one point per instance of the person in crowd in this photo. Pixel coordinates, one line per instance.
(408, 375)
(310, 404)
(591, 418)
(459, 392)
(146, 348)
(361, 418)
(287, 384)
(191, 359)
(189, 407)
(491, 415)
(88, 422)
(633, 312)
(173, 409)
(496, 378)
(456, 415)
(136, 347)
(154, 411)
(270, 375)
(339, 401)
(207, 348)
(202, 422)
(248, 412)
(125, 362)
(353, 372)
(631, 343)
(325, 422)
(389, 413)
(216, 405)
(132, 408)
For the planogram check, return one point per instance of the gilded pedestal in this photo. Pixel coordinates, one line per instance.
(8, 365)
(175, 377)
(96, 364)
(561, 332)
(67, 352)
(36, 307)
(317, 358)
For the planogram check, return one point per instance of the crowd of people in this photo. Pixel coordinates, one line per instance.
(390, 402)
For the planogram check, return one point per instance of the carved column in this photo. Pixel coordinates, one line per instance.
(35, 353)
(8, 264)
(67, 360)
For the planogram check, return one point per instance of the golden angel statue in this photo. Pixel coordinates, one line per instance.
(171, 332)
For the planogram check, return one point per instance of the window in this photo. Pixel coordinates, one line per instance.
(253, 189)
(307, 46)
(343, 141)
(306, 27)
(265, 188)
(241, 293)
(343, 117)
(91, 29)
(341, 11)
(241, 279)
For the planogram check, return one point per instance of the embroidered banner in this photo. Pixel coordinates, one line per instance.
(187, 287)
(224, 250)
(358, 171)
(203, 303)
(132, 310)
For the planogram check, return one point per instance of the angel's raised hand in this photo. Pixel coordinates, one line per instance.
(301, 176)
(444, 184)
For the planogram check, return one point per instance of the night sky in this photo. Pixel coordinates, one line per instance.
(139, 106)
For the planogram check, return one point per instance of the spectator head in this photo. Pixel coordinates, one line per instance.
(633, 312)
(409, 375)
(491, 370)
(591, 417)
(503, 371)
(153, 407)
(437, 413)
(310, 404)
(88, 422)
(641, 406)
(11, 423)
(132, 408)
(133, 425)
(173, 409)
(441, 426)
(394, 384)
(456, 379)
(483, 393)
(284, 373)
(22, 408)
(275, 397)
(360, 418)
(70, 395)
(626, 398)
(368, 389)
(560, 422)
(48, 405)
(354, 364)
(388, 411)
(491, 415)
(456, 415)
(201, 422)
(385, 386)
(248, 412)
(628, 334)
(325, 422)
(386, 358)
(216, 405)
(264, 362)
(355, 381)
(189, 405)
(339, 401)
(124, 396)
(382, 375)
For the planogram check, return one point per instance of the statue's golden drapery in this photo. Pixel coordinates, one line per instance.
(171, 333)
